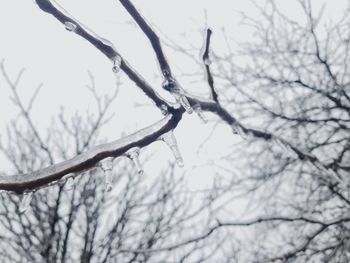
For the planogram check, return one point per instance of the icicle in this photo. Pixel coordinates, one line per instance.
(197, 108)
(237, 129)
(25, 202)
(71, 27)
(184, 103)
(107, 167)
(69, 183)
(170, 140)
(116, 64)
(133, 154)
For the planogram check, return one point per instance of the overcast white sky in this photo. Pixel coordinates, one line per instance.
(60, 60)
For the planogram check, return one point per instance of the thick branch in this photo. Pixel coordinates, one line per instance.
(206, 61)
(41, 178)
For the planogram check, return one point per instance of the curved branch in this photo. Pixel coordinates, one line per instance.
(43, 177)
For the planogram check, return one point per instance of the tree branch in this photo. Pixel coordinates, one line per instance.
(41, 178)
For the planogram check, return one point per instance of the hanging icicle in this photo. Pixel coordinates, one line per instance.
(198, 110)
(25, 202)
(170, 140)
(70, 182)
(133, 154)
(107, 167)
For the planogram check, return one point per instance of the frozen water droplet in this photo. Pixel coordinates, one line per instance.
(69, 183)
(238, 129)
(25, 202)
(207, 61)
(107, 167)
(164, 109)
(71, 27)
(116, 64)
(197, 108)
(184, 103)
(133, 154)
(170, 140)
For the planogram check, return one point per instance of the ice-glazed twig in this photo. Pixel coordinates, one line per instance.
(133, 154)
(207, 61)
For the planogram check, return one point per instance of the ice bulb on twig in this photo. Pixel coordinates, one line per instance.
(207, 61)
(25, 202)
(71, 27)
(107, 167)
(238, 129)
(133, 154)
(117, 62)
(69, 183)
(170, 140)
(197, 108)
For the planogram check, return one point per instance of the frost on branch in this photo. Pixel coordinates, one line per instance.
(170, 140)
(133, 154)
(25, 202)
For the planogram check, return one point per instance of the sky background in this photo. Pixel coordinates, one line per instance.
(60, 60)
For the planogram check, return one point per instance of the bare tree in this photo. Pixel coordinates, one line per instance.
(291, 103)
(292, 81)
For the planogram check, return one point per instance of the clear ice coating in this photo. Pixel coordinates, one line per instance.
(164, 109)
(116, 64)
(71, 27)
(25, 202)
(170, 140)
(69, 183)
(238, 129)
(198, 110)
(207, 61)
(107, 167)
(171, 85)
(133, 154)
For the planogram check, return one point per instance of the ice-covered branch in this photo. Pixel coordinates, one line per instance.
(37, 179)
(207, 62)
(103, 45)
